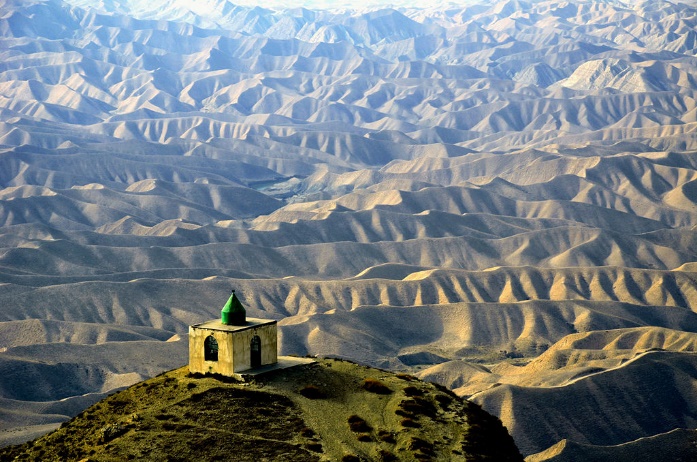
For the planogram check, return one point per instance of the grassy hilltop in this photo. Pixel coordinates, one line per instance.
(332, 410)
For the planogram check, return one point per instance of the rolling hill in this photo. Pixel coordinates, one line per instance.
(497, 196)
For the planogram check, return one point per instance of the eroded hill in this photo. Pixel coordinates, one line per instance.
(476, 194)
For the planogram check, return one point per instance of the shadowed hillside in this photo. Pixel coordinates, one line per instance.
(677, 445)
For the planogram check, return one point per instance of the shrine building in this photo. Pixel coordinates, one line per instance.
(232, 344)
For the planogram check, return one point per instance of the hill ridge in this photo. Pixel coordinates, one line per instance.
(330, 410)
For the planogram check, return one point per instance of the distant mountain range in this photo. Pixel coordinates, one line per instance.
(501, 197)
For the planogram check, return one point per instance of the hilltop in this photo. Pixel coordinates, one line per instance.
(328, 410)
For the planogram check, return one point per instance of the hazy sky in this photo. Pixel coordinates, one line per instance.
(310, 3)
(202, 5)
(334, 3)
(343, 3)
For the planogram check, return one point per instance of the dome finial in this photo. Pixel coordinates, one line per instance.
(233, 312)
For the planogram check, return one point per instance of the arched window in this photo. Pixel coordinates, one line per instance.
(210, 349)
(255, 347)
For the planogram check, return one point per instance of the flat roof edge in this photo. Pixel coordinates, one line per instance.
(215, 324)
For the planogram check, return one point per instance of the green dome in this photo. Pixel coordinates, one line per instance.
(233, 312)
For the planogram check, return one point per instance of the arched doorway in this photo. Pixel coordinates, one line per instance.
(255, 347)
(210, 349)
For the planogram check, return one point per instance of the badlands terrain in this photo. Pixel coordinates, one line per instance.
(500, 197)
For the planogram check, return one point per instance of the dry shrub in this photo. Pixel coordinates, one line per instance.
(407, 422)
(418, 406)
(358, 425)
(376, 386)
(420, 445)
(312, 392)
(413, 391)
(387, 437)
(350, 458)
(365, 438)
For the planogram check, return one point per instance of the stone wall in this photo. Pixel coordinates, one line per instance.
(242, 346)
(234, 347)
